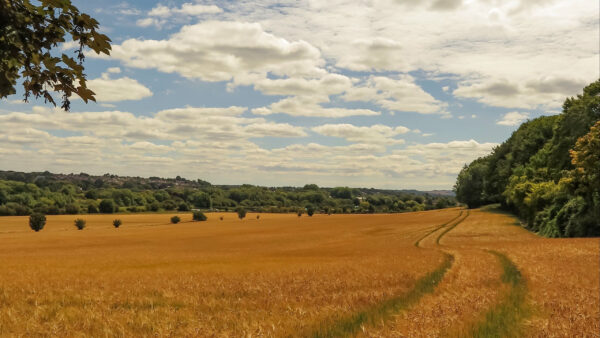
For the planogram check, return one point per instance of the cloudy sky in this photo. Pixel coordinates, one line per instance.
(382, 93)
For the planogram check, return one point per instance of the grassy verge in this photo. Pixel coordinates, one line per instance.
(504, 319)
(349, 326)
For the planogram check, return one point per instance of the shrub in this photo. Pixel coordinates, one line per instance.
(175, 219)
(80, 224)
(37, 221)
(221, 218)
(299, 213)
(107, 206)
(241, 212)
(199, 216)
(310, 210)
(257, 216)
(117, 223)
(72, 209)
(183, 207)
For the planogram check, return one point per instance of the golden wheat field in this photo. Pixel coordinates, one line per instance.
(448, 272)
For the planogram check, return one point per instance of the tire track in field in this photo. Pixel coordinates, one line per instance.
(350, 325)
(504, 319)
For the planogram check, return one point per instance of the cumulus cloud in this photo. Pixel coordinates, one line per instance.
(513, 118)
(121, 89)
(399, 93)
(378, 134)
(220, 51)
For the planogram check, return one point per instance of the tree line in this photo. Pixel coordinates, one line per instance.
(47, 193)
(547, 172)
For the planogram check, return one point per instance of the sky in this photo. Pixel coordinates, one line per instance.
(381, 93)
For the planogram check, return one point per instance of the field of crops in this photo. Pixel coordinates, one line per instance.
(444, 272)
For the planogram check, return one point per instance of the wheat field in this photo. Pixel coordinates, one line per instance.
(431, 273)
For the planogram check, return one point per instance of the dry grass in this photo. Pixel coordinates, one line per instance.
(277, 276)
(285, 276)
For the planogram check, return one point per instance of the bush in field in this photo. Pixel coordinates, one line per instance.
(241, 212)
(300, 212)
(117, 223)
(175, 219)
(199, 216)
(310, 210)
(257, 216)
(221, 218)
(107, 206)
(79, 224)
(37, 221)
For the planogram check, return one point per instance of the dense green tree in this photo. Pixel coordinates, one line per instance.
(107, 206)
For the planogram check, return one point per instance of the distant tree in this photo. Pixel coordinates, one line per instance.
(300, 212)
(470, 184)
(241, 212)
(183, 207)
(30, 34)
(92, 209)
(154, 206)
(310, 210)
(199, 216)
(107, 206)
(175, 219)
(37, 221)
(117, 223)
(72, 209)
(257, 216)
(80, 224)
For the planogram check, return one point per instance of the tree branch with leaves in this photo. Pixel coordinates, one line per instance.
(30, 33)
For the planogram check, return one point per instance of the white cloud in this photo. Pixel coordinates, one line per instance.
(308, 106)
(220, 51)
(513, 118)
(399, 93)
(377, 134)
(121, 89)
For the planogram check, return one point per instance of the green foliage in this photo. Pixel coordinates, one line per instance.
(241, 212)
(175, 219)
(199, 216)
(107, 206)
(37, 221)
(310, 210)
(117, 223)
(547, 172)
(28, 36)
(23, 193)
(80, 224)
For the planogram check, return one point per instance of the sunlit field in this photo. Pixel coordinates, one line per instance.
(444, 272)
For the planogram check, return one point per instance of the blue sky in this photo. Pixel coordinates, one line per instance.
(381, 93)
